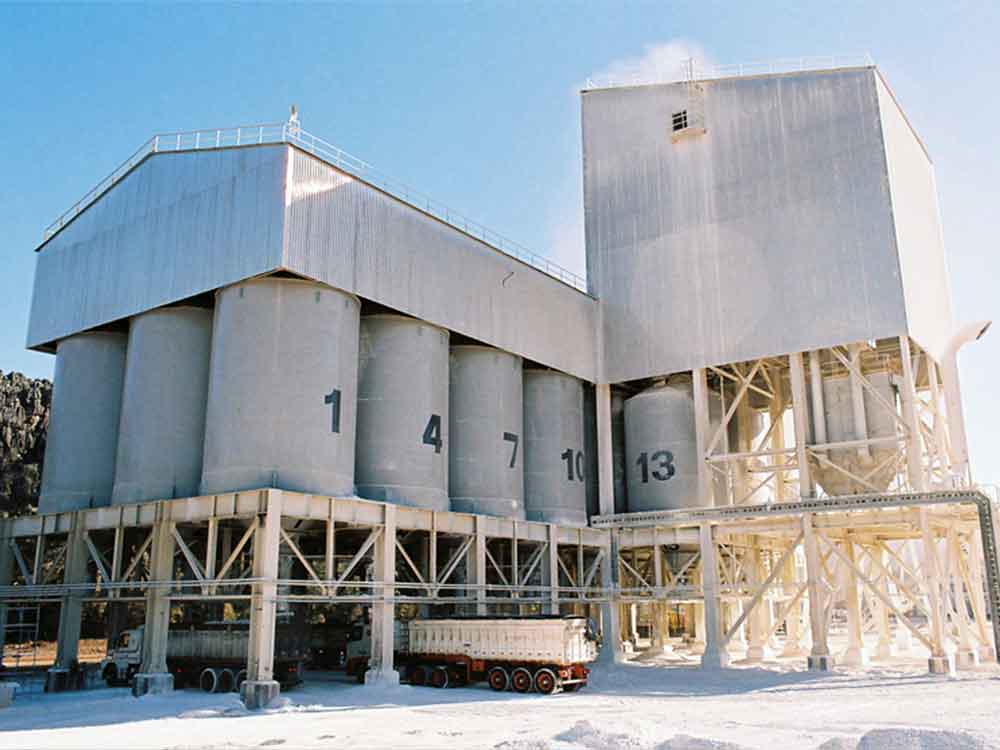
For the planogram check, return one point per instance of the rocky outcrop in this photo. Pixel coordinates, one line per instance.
(24, 419)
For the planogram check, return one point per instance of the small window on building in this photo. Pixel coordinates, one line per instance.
(680, 120)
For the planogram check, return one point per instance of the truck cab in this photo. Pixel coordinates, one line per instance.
(123, 658)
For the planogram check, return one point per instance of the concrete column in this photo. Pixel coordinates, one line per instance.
(153, 676)
(819, 656)
(605, 451)
(800, 416)
(967, 655)
(883, 650)
(260, 687)
(70, 610)
(940, 662)
(856, 654)
(714, 657)
(475, 562)
(793, 620)
(702, 434)
(759, 619)
(381, 668)
(698, 646)
(552, 573)
(908, 396)
(659, 635)
(6, 577)
(777, 411)
(611, 646)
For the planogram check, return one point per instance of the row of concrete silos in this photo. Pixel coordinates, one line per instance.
(286, 384)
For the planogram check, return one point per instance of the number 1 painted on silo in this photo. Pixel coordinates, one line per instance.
(333, 399)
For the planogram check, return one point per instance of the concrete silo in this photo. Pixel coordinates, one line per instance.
(83, 427)
(161, 437)
(555, 489)
(402, 444)
(486, 463)
(282, 389)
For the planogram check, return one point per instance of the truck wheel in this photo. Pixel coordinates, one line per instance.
(227, 681)
(209, 680)
(499, 679)
(545, 681)
(418, 675)
(241, 677)
(439, 677)
(573, 687)
(111, 676)
(520, 680)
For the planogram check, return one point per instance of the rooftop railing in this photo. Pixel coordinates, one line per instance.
(698, 71)
(291, 133)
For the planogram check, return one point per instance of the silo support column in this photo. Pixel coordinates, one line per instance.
(552, 579)
(800, 415)
(611, 647)
(63, 674)
(856, 654)
(605, 451)
(715, 656)
(793, 611)
(819, 657)
(883, 650)
(153, 676)
(260, 687)
(759, 619)
(381, 669)
(939, 662)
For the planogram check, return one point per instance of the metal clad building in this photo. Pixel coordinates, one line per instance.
(183, 224)
(770, 233)
(178, 225)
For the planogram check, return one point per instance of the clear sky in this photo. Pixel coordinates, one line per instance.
(476, 104)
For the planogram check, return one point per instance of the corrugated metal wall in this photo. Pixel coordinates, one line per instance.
(342, 232)
(769, 234)
(917, 221)
(178, 225)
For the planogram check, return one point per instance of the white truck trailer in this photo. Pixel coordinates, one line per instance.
(546, 654)
(211, 657)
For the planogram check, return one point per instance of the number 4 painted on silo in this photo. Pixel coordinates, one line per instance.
(432, 433)
(333, 399)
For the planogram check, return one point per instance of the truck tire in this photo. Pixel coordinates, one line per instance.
(209, 680)
(241, 677)
(227, 681)
(418, 675)
(499, 679)
(546, 681)
(521, 680)
(439, 677)
(110, 676)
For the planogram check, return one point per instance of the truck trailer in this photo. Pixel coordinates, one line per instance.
(211, 657)
(545, 654)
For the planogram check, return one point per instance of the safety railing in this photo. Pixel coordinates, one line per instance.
(695, 70)
(291, 133)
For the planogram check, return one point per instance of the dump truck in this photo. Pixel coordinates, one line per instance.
(212, 657)
(544, 654)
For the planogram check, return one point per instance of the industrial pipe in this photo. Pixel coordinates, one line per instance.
(948, 360)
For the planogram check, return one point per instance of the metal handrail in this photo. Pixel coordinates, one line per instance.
(291, 133)
(694, 70)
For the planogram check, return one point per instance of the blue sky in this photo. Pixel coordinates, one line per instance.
(474, 104)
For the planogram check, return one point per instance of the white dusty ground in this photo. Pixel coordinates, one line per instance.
(639, 706)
